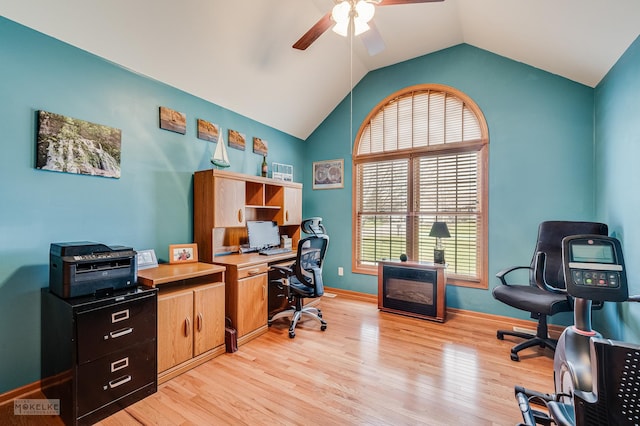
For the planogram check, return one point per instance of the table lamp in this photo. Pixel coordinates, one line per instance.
(440, 231)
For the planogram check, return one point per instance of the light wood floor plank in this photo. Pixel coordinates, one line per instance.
(367, 368)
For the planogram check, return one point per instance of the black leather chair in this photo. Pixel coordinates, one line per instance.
(303, 279)
(545, 294)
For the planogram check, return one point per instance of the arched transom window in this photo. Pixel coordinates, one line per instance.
(420, 157)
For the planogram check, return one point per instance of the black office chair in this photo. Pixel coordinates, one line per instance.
(545, 295)
(614, 398)
(304, 279)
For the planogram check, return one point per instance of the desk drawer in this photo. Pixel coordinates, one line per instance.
(115, 375)
(110, 328)
(263, 268)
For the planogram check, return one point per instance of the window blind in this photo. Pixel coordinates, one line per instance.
(410, 171)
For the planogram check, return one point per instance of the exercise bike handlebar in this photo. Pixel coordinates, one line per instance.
(634, 298)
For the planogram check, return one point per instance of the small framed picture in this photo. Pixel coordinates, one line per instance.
(183, 253)
(328, 174)
(146, 259)
(237, 140)
(260, 146)
(173, 120)
(208, 131)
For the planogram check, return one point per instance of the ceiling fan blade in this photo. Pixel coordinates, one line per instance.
(316, 31)
(372, 40)
(394, 2)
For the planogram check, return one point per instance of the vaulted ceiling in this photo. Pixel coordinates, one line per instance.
(238, 54)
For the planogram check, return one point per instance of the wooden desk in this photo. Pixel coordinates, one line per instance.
(191, 311)
(171, 273)
(247, 291)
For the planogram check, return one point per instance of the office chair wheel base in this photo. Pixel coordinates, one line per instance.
(500, 335)
(323, 327)
(292, 334)
(514, 357)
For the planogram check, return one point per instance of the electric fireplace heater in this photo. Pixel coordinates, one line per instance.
(412, 288)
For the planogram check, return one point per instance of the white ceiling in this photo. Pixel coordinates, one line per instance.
(237, 53)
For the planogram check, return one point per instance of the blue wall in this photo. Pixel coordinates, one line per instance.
(150, 206)
(617, 125)
(540, 127)
(542, 161)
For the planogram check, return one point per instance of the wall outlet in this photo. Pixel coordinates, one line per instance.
(340, 271)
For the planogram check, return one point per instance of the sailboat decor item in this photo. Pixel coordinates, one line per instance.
(220, 157)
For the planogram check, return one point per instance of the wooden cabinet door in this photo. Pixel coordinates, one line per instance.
(252, 304)
(229, 203)
(208, 308)
(175, 329)
(292, 214)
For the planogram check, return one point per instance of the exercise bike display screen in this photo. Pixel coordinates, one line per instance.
(594, 268)
(592, 253)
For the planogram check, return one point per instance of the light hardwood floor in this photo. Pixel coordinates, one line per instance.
(367, 368)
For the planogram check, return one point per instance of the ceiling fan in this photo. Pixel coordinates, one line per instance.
(354, 15)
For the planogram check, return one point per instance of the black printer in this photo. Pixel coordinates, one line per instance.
(86, 268)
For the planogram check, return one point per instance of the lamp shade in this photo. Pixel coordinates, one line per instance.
(364, 11)
(359, 27)
(340, 12)
(439, 230)
(341, 28)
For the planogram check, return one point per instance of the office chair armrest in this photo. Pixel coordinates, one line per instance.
(501, 275)
(540, 265)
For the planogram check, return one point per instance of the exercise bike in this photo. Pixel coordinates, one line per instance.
(596, 380)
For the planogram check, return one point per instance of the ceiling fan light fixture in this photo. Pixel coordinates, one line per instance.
(340, 12)
(364, 11)
(341, 28)
(359, 27)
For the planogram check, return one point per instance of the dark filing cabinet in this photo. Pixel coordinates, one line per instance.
(99, 353)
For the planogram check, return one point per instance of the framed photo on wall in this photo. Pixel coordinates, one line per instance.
(70, 145)
(208, 131)
(328, 174)
(173, 120)
(183, 253)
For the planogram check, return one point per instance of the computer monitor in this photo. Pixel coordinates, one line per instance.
(263, 234)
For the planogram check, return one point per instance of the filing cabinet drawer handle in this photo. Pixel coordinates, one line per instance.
(119, 316)
(254, 272)
(120, 364)
(119, 381)
(120, 333)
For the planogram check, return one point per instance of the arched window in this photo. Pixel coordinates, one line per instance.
(421, 156)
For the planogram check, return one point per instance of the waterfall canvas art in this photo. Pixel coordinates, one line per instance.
(70, 145)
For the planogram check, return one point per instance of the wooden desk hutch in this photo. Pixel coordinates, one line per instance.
(223, 202)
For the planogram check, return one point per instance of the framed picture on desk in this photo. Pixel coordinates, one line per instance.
(147, 259)
(183, 253)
